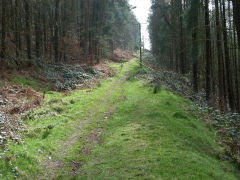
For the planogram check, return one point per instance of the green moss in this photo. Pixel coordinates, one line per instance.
(31, 82)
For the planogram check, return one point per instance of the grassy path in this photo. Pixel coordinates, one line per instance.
(119, 130)
(100, 112)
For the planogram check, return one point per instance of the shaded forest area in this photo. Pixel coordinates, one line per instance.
(200, 38)
(53, 31)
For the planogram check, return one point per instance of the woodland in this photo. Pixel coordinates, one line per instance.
(201, 38)
(42, 31)
(82, 98)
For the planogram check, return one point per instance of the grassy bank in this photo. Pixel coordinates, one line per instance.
(51, 126)
(152, 137)
(117, 130)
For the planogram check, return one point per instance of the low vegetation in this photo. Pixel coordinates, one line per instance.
(74, 106)
(119, 129)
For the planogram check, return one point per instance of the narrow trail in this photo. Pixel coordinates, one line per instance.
(54, 166)
(128, 132)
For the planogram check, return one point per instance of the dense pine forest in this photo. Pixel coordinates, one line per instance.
(119, 89)
(201, 38)
(34, 31)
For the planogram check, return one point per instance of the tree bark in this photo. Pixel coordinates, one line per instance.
(56, 37)
(222, 101)
(208, 50)
(4, 28)
(236, 17)
(228, 62)
(28, 29)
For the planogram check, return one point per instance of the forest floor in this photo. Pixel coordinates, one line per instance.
(118, 129)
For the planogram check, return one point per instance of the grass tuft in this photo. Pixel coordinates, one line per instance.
(58, 109)
(179, 115)
(72, 101)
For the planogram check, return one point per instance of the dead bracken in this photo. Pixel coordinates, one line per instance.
(15, 100)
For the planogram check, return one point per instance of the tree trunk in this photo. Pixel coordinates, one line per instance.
(236, 17)
(182, 48)
(208, 47)
(56, 37)
(222, 101)
(38, 30)
(228, 62)
(195, 61)
(28, 29)
(4, 28)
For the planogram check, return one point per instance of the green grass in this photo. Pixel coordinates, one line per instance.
(152, 137)
(31, 82)
(66, 113)
(149, 136)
